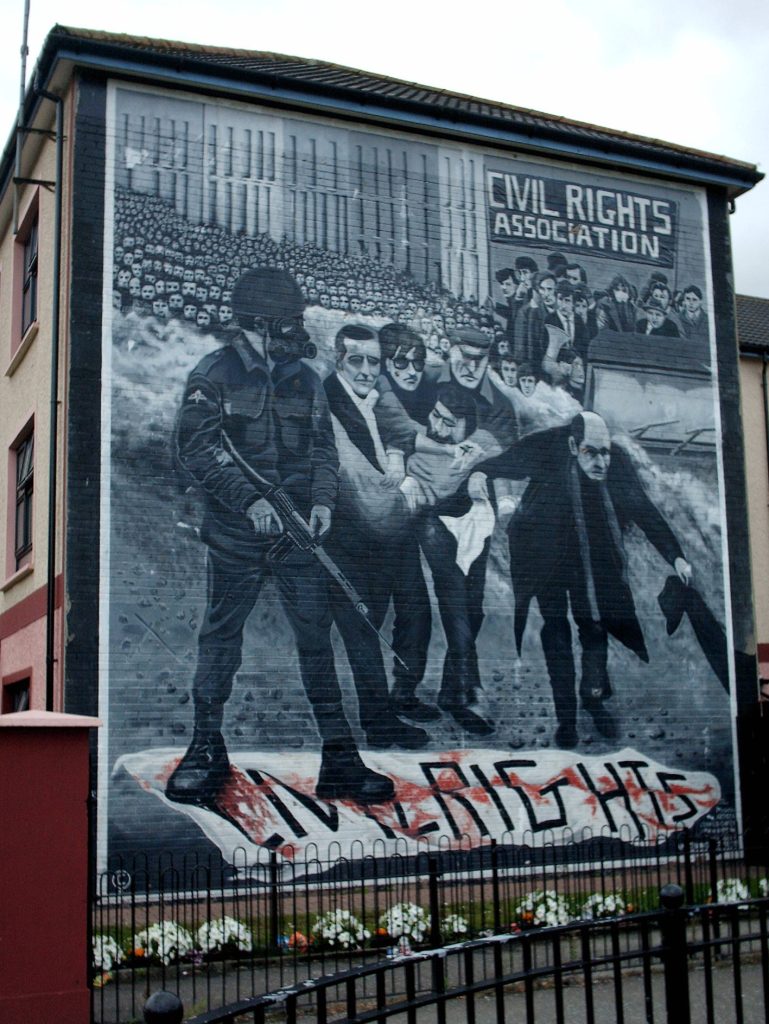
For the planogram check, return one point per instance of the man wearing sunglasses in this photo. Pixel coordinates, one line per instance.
(370, 531)
(405, 388)
(405, 359)
(566, 550)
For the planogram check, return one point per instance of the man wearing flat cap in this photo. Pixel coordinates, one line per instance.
(656, 322)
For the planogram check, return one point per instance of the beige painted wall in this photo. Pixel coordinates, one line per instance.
(757, 470)
(25, 391)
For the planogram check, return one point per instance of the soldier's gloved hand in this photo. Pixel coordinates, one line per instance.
(264, 517)
(683, 570)
(320, 520)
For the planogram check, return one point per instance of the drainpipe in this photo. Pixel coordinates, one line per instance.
(53, 449)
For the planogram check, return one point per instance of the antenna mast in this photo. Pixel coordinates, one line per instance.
(20, 116)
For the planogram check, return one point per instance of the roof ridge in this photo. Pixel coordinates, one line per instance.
(204, 49)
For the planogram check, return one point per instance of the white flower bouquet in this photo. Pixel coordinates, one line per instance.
(106, 953)
(339, 929)
(165, 941)
(543, 909)
(453, 927)
(406, 921)
(731, 890)
(763, 887)
(224, 933)
(598, 906)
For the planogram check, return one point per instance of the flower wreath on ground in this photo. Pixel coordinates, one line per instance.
(454, 928)
(224, 934)
(731, 890)
(339, 929)
(165, 941)
(601, 905)
(106, 953)
(543, 908)
(406, 921)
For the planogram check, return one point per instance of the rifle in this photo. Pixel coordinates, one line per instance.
(297, 534)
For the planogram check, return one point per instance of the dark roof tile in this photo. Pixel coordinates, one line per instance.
(753, 323)
(369, 87)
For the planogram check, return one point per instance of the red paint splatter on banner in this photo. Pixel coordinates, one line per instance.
(270, 801)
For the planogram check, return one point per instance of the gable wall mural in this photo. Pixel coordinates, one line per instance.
(412, 494)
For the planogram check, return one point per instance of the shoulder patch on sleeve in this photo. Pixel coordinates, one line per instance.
(199, 393)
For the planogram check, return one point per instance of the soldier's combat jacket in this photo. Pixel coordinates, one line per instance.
(277, 421)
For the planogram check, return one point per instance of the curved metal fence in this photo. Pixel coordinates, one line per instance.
(216, 934)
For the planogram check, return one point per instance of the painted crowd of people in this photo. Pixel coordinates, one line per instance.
(552, 315)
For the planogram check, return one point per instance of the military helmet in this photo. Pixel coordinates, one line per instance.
(266, 292)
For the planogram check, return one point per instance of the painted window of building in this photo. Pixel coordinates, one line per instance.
(29, 283)
(16, 696)
(24, 491)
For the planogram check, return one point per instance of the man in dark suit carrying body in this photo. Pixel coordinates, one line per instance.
(371, 523)
(566, 550)
(405, 389)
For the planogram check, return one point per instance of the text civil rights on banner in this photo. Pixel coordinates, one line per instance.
(528, 210)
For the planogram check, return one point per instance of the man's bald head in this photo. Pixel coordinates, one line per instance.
(590, 443)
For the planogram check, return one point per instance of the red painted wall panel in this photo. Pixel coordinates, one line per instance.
(43, 875)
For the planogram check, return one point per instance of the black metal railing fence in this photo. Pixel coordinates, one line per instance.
(279, 903)
(674, 966)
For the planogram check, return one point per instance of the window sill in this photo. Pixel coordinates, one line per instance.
(24, 346)
(17, 577)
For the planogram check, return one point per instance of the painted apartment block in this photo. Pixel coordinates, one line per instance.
(753, 336)
(27, 260)
(489, 358)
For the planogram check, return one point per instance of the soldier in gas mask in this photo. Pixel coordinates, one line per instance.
(253, 409)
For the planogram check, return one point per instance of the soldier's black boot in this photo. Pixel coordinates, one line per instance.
(389, 731)
(406, 704)
(469, 718)
(201, 773)
(344, 776)
(603, 719)
(566, 736)
(460, 696)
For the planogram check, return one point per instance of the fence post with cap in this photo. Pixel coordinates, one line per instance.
(163, 1008)
(674, 955)
(433, 874)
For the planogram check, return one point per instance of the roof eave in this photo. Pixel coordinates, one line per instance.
(62, 48)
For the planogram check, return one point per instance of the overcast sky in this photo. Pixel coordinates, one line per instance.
(695, 72)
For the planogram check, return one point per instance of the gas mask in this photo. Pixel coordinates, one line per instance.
(288, 340)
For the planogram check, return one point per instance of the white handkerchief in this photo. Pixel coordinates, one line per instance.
(471, 532)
